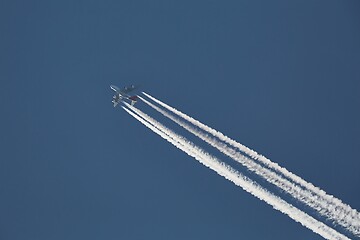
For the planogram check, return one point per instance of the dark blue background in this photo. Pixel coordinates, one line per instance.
(281, 77)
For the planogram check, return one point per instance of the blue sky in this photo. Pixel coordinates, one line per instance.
(281, 77)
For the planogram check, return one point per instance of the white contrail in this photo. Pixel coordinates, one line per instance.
(294, 190)
(349, 215)
(234, 176)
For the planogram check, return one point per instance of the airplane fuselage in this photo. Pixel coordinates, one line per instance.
(121, 95)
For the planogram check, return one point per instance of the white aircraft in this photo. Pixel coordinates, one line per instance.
(121, 94)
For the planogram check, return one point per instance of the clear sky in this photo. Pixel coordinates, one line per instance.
(282, 77)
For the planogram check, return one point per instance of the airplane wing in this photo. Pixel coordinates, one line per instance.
(123, 94)
(128, 89)
(115, 103)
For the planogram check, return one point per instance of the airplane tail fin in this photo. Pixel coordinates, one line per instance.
(133, 100)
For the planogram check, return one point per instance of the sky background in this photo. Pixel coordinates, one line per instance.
(281, 77)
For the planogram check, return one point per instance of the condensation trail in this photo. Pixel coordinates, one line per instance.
(289, 187)
(234, 176)
(349, 216)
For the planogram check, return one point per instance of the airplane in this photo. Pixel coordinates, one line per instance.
(121, 94)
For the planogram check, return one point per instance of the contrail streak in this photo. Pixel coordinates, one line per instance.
(294, 190)
(234, 176)
(349, 217)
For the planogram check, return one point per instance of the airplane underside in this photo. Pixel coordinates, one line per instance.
(117, 99)
(121, 95)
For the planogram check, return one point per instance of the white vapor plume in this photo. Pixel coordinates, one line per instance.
(234, 176)
(345, 215)
(294, 190)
